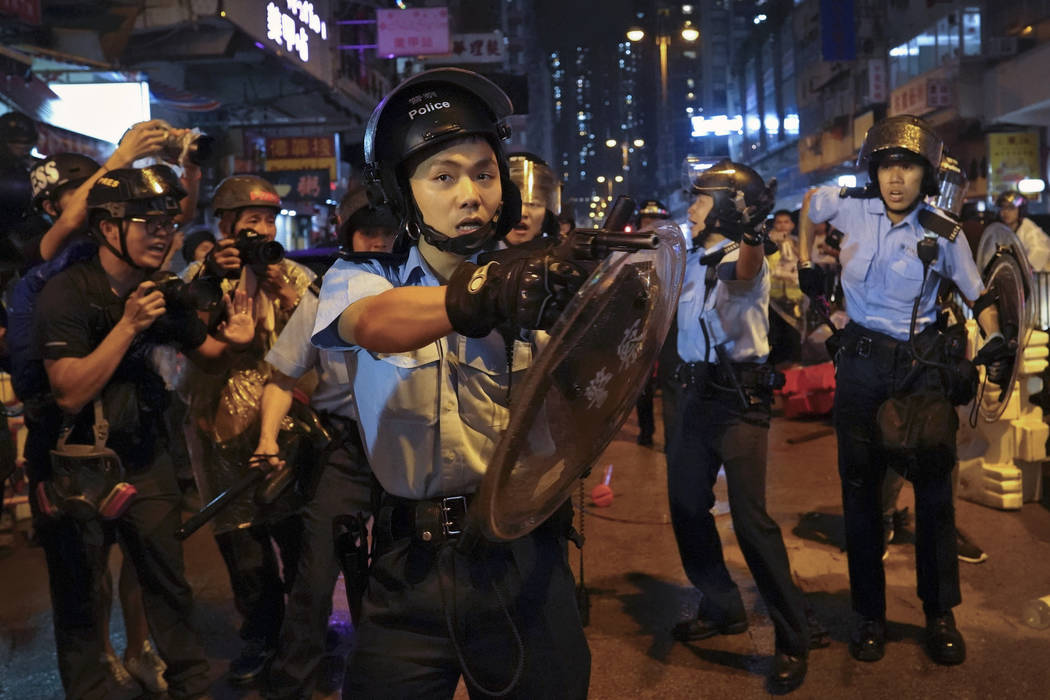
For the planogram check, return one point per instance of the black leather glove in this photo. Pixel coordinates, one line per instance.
(528, 293)
(998, 356)
(811, 281)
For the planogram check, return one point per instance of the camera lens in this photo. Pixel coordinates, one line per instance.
(200, 151)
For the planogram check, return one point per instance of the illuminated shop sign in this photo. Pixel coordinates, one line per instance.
(296, 29)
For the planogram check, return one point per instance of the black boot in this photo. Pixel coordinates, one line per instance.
(944, 644)
(868, 641)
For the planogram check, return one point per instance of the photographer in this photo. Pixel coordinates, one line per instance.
(61, 184)
(224, 408)
(98, 324)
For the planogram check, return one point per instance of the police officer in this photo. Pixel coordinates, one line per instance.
(724, 421)
(98, 323)
(650, 213)
(540, 199)
(430, 384)
(225, 410)
(343, 486)
(887, 289)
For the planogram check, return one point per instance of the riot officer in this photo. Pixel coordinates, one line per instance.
(724, 418)
(430, 382)
(540, 199)
(893, 257)
(340, 486)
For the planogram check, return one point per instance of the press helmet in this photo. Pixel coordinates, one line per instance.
(58, 173)
(425, 111)
(741, 198)
(132, 192)
(903, 138)
(240, 191)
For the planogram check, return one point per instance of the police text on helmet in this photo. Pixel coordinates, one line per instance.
(428, 107)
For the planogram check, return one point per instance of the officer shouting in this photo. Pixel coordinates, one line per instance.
(892, 265)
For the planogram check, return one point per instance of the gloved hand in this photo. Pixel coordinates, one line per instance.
(528, 293)
(811, 281)
(998, 356)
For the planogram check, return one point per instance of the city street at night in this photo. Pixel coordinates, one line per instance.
(637, 591)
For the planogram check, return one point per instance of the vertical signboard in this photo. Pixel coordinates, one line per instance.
(297, 29)
(1012, 156)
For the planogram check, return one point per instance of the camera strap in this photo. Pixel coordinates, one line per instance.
(100, 429)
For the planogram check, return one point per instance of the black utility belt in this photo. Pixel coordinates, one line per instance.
(433, 520)
(749, 376)
(859, 341)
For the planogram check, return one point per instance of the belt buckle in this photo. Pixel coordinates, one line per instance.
(864, 346)
(448, 524)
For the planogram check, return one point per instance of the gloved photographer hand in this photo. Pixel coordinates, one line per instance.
(529, 293)
(810, 279)
(998, 356)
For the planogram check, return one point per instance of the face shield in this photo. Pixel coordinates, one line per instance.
(536, 182)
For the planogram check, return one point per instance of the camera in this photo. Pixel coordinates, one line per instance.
(182, 298)
(180, 326)
(256, 250)
(198, 147)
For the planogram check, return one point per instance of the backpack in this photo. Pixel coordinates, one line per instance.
(28, 377)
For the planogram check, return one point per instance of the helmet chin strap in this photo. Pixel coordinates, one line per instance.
(460, 245)
(122, 254)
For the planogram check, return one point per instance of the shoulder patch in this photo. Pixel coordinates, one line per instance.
(940, 223)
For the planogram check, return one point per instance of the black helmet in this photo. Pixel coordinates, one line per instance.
(357, 213)
(1013, 198)
(906, 138)
(427, 110)
(653, 209)
(16, 127)
(53, 175)
(240, 191)
(741, 198)
(193, 240)
(132, 192)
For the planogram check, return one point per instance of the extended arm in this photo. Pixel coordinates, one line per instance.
(397, 320)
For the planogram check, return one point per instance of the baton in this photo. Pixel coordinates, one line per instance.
(254, 476)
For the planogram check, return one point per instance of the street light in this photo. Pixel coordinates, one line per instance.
(689, 32)
(635, 34)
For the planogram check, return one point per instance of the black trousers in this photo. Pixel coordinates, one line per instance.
(862, 384)
(345, 487)
(77, 554)
(505, 603)
(255, 577)
(644, 406)
(713, 432)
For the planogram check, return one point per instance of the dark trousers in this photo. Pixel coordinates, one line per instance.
(504, 603)
(77, 555)
(714, 432)
(644, 406)
(344, 488)
(258, 590)
(862, 384)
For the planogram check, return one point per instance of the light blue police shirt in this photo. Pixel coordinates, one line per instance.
(735, 311)
(429, 418)
(881, 270)
(294, 355)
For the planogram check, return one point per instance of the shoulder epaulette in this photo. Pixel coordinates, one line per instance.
(936, 221)
(865, 192)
